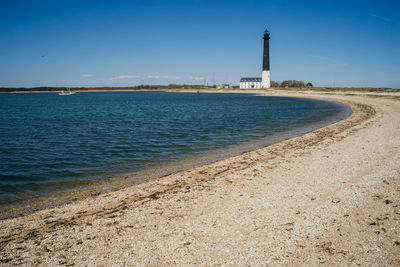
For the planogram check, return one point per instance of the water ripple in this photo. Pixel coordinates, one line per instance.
(52, 144)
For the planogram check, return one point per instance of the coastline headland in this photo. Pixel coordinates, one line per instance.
(331, 196)
(191, 88)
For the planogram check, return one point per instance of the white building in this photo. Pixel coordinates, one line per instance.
(224, 85)
(250, 83)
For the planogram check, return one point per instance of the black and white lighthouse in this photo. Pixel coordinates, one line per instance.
(266, 79)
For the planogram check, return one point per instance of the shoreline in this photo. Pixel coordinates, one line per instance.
(291, 90)
(118, 182)
(241, 210)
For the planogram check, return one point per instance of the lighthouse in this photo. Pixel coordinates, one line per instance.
(266, 79)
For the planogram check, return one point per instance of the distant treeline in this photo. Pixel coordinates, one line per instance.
(32, 89)
(287, 84)
(138, 87)
(291, 83)
(294, 84)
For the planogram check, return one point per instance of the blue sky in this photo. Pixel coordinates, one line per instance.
(123, 43)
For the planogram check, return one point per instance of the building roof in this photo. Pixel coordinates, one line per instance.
(250, 79)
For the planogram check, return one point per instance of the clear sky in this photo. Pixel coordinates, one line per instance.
(122, 43)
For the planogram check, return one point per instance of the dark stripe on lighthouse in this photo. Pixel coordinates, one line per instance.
(266, 51)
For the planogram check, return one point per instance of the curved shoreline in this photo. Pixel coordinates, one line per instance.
(240, 209)
(108, 184)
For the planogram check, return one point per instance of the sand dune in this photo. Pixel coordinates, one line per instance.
(329, 197)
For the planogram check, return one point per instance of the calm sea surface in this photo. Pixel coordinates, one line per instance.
(51, 144)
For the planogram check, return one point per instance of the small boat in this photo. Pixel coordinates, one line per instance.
(66, 92)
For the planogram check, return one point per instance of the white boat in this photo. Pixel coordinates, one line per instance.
(66, 92)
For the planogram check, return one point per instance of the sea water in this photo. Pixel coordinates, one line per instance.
(51, 143)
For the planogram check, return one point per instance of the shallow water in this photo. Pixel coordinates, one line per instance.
(51, 143)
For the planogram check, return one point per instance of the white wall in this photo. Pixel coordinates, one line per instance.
(250, 85)
(266, 80)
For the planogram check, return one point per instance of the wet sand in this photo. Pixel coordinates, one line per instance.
(330, 197)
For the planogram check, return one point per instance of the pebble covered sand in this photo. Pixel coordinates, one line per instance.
(330, 197)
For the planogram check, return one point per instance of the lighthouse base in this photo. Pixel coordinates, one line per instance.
(266, 80)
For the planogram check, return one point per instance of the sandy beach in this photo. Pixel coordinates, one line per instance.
(330, 197)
